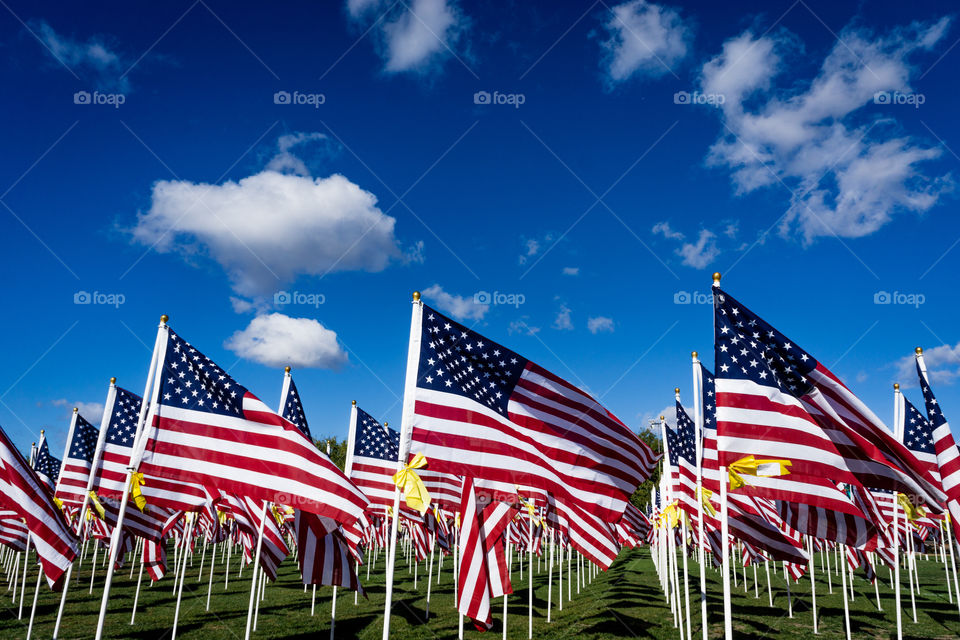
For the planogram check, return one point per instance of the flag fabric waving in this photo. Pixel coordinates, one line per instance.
(374, 460)
(46, 466)
(948, 456)
(483, 411)
(323, 553)
(208, 429)
(473, 582)
(76, 467)
(777, 403)
(293, 409)
(22, 492)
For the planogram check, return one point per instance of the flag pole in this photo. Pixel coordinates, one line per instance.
(530, 579)
(949, 524)
(698, 425)
(550, 576)
(406, 421)
(686, 572)
(898, 434)
(66, 582)
(115, 538)
(724, 524)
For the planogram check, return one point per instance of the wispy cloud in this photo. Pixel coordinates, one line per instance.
(643, 40)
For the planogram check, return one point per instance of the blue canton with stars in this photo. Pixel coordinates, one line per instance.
(191, 380)
(84, 440)
(123, 420)
(709, 398)
(46, 463)
(373, 440)
(917, 433)
(934, 414)
(747, 348)
(681, 442)
(457, 360)
(293, 410)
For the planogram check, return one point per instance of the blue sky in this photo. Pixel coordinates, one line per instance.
(591, 163)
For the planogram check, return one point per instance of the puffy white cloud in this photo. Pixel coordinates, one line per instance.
(276, 340)
(92, 412)
(701, 253)
(415, 36)
(848, 171)
(645, 39)
(600, 324)
(942, 362)
(460, 307)
(563, 321)
(94, 58)
(266, 229)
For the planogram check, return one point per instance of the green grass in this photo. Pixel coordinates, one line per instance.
(623, 602)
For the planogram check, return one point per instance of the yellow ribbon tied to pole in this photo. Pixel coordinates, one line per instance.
(57, 501)
(670, 515)
(136, 481)
(705, 495)
(750, 466)
(912, 511)
(95, 501)
(409, 482)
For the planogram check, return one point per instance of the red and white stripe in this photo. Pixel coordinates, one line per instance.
(323, 553)
(473, 585)
(13, 531)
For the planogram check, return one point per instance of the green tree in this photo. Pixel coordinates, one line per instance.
(641, 497)
(337, 449)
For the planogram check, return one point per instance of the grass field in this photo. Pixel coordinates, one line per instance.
(623, 602)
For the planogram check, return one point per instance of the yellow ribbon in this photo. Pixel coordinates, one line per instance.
(409, 482)
(912, 511)
(670, 515)
(57, 501)
(531, 509)
(750, 466)
(705, 495)
(136, 481)
(95, 502)
(456, 521)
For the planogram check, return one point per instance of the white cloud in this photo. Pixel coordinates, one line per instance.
(415, 254)
(942, 362)
(276, 340)
(460, 307)
(93, 58)
(269, 228)
(92, 412)
(522, 327)
(416, 36)
(285, 161)
(599, 324)
(669, 414)
(664, 229)
(644, 39)
(533, 246)
(848, 171)
(563, 322)
(571, 271)
(701, 253)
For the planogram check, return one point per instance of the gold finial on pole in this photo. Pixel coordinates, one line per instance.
(286, 369)
(164, 319)
(353, 402)
(113, 380)
(386, 424)
(919, 350)
(75, 410)
(896, 386)
(716, 278)
(676, 389)
(41, 431)
(694, 354)
(661, 417)
(416, 296)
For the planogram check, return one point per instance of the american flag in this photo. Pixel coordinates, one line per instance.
(374, 460)
(948, 456)
(13, 531)
(248, 512)
(484, 411)
(293, 409)
(496, 518)
(591, 536)
(22, 492)
(775, 401)
(682, 450)
(72, 487)
(113, 459)
(154, 558)
(473, 581)
(211, 431)
(323, 553)
(46, 466)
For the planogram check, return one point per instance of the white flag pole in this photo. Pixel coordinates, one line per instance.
(686, 571)
(159, 348)
(530, 579)
(813, 584)
(550, 577)
(256, 564)
(898, 434)
(406, 422)
(66, 582)
(184, 554)
(698, 424)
